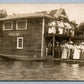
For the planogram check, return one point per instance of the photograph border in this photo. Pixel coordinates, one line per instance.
(41, 2)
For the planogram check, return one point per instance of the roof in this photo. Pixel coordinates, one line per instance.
(48, 14)
(29, 15)
(56, 13)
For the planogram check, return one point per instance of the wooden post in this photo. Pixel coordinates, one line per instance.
(53, 52)
(83, 36)
(42, 44)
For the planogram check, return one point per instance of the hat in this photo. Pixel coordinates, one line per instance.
(71, 42)
(82, 43)
(64, 41)
(57, 42)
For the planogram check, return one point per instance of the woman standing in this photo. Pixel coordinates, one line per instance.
(60, 26)
(64, 50)
(70, 50)
(82, 51)
(52, 25)
(77, 51)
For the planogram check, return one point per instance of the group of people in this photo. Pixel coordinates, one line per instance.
(60, 27)
(69, 50)
(72, 50)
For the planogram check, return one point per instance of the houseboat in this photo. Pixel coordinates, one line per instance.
(30, 36)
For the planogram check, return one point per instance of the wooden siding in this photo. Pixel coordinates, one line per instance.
(31, 43)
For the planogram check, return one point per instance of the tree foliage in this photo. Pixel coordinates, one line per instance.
(3, 13)
(81, 26)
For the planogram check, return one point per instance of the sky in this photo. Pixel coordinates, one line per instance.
(74, 11)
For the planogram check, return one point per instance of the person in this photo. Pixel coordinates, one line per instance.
(67, 28)
(82, 51)
(52, 25)
(64, 50)
(57, 50)
(77, 51)
(70, 50)
(50, 46)
(60, 26)
(71, 32)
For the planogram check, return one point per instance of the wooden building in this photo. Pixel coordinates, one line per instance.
(25, 36)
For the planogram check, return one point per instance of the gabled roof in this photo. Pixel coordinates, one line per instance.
(57, 13)
(48, 14)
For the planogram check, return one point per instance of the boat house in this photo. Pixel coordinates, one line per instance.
(26, 36)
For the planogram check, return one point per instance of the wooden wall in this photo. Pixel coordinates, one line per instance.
(31, 43)
(45, 33)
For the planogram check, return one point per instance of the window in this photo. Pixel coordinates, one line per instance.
(21, 24)
(19, 42)
(8, 25)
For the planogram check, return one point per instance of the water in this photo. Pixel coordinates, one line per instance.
(33, 70)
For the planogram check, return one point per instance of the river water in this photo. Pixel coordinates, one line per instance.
(36, 70)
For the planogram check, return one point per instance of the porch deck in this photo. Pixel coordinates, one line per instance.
(69, 60)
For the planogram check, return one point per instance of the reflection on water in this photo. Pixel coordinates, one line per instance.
(33, 70)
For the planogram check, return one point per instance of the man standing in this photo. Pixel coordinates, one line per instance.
(70, 50)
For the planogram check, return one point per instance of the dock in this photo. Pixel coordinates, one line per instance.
(69, 60)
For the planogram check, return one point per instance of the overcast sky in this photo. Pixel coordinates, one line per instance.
(74, 11)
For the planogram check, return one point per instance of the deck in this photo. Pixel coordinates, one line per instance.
(69, 60)
(61, 35)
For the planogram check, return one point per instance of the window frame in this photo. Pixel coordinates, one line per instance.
(18, 42)
(17, 25)
(4, 28)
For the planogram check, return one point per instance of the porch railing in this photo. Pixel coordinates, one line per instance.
(68, 32)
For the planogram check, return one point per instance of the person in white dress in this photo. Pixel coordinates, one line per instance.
(71, 31)
(52, 29)
(82, 51)
(64, 51)
(67, 27)
(60, 26)
(77, 51)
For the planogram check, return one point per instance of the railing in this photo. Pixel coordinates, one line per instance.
(79, 34)
(68, 32)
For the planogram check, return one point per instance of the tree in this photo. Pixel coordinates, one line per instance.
(81, 26)
(3, 13)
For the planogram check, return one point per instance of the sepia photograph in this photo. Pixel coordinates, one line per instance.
(42, 42)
